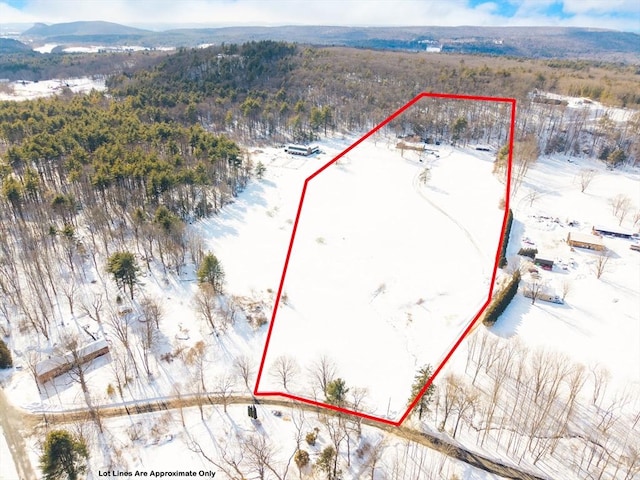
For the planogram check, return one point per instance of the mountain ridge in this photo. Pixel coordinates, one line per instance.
(527, 42)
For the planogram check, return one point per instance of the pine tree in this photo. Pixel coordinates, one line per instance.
(426, 398)
(336, 392)
(260, 169)
(211, 271)
(325, 462)
(123, 267)
(5, 355)
(63, 457)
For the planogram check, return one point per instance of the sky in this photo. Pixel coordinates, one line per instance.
(621, 15)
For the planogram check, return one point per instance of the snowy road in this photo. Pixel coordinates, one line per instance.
(10, 419)
(172, 402)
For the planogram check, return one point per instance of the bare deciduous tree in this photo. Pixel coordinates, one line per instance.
(242, 365)
(533, 290)
(586, 177)
(620, 206)
(323, 371)
(224, 389)
(285, 369)
(205, 303)
(93, 307)
(601, 262)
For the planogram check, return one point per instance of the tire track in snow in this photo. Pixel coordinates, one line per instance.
(467, 234)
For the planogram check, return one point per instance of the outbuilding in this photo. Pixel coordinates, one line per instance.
(305, 150)
(55, 366)
(585, 240)
(612, 232)
(542, 262)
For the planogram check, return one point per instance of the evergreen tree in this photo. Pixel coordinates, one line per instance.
(260, 169)
(426, 398)
(63, 457)
(123, 267)
(5, 355)
(326, 461)
(211, 271)
(336, 392)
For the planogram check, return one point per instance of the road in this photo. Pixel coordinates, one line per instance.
(169, 403)
(11, 421)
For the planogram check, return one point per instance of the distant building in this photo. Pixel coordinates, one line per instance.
(585, 240)
(545, 263)
(612, 231)
(305, 150)
(55, 366)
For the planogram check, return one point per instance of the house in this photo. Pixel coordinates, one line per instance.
(585, 240)
(545, 263)
(305, 150)
(56, 366)
(612, 232)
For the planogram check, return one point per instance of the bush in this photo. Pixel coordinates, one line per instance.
(528, 252)
(505, 241)
(5, 356)
(500, 302)
(311, 438)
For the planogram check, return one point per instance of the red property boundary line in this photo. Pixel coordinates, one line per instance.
(398, 112)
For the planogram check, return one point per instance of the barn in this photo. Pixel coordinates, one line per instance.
(585, 240)
(56, 366)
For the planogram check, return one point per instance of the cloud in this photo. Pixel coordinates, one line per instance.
(616, 14)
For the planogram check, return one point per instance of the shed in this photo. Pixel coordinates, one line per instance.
(58, 365)
(543, 262)
(585, 240)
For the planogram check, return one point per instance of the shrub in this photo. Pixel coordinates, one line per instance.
(6, 361)
(505, 241)
(528, 252)
(500, 302)
(311, 438)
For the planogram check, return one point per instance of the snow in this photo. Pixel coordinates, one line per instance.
(595, 109)
(600, 316)
(26, 90)
(599, 322)
(46, 48)
(7, 468)
(370, 268)
(160, 443)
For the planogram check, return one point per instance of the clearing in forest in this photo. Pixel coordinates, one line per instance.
(392, 258)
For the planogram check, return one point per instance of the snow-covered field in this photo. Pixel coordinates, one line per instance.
(25, 90)
(370, 283)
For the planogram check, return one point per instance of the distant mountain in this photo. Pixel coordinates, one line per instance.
(9, 45)
(529, 42)
(82, 29)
